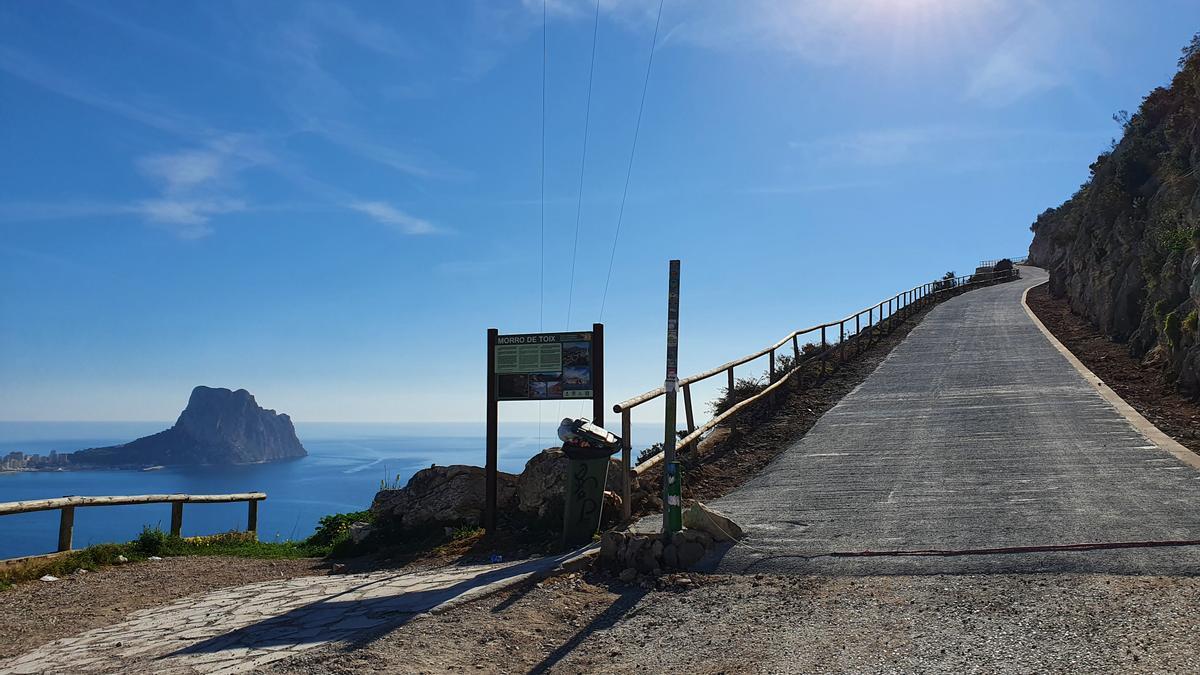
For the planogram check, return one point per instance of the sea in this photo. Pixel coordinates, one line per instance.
(346, 465)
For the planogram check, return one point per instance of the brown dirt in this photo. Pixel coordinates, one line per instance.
(583, 623)
(36, 612)
(1141, 386)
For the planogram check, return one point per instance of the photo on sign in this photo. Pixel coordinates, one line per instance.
(512, 385)
(545, 385)
(576, 354)
(577, 376)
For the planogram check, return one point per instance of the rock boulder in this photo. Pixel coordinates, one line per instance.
(541, 486)
(442, 495)
(714, 523)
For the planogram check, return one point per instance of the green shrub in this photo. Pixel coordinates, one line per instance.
(152, 541)
(1189, 323)
(743, 388)
(656, 449)
(1160, 309)
(1179, 239)
(332, 528)
(1172, 328)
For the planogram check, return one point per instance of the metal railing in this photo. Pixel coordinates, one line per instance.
(67, 505)
(1021, 260)
(881, 318)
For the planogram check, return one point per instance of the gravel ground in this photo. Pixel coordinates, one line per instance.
(769, 624)
(34, 613)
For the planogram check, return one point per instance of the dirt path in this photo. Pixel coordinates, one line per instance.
(34, 613)
(768, 624)
(242, 628)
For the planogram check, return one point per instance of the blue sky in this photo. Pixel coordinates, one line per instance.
(328, 204)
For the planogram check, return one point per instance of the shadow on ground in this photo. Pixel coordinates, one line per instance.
(356, 620)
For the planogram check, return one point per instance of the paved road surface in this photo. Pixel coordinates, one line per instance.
(973, 433)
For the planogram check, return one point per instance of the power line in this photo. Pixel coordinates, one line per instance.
(542, 226)
(629, 171)
(582, 165)
(542, 230)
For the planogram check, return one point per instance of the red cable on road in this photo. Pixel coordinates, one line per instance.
(1044, 548)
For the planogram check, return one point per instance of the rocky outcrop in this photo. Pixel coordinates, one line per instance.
(442, 496)
(218, 426)
(1125, 249)
(542, 485)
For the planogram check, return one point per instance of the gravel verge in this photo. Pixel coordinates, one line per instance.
(767, 624)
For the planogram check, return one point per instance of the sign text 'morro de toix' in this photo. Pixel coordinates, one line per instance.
(541, 366)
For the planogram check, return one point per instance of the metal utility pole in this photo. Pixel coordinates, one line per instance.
(672, 488)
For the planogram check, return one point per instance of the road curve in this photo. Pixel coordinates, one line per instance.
(974, 433)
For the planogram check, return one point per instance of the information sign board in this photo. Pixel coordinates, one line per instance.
(544, 366)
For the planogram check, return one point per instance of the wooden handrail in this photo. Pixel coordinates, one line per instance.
(7, 508)
(645, 397)
(67, 506)
(919, 293)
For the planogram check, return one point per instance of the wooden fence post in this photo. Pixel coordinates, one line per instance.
(842, 341)
(251, 517)
(729, 391)
(626, 462)
(771, 398)
(66, 526)
(176, 518)
(858, 332)
(687, 407)
(824, 346)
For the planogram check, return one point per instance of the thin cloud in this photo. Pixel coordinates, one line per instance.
(196, 184)
(22, 66)
(1032, 59)
(394, 217)
(800, 188)
(945, 145)
(367, 33)
(369, 147)
(184, 170)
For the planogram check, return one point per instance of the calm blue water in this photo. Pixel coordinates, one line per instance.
(343, 471)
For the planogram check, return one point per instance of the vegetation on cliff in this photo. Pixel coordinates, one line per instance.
(1125, 249)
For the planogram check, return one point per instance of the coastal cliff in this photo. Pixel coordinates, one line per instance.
(218, 426)
(1125, 249)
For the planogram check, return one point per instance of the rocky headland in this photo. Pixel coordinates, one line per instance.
(218, 426)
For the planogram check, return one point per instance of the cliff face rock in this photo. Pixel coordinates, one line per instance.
(218, 426)
(1125, 249)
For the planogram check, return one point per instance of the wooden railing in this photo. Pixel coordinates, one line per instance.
(880, 318)
(67, 505)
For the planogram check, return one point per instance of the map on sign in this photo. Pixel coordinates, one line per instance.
(542, 366)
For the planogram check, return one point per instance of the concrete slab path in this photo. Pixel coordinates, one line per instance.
(974, 433)
(236, 630)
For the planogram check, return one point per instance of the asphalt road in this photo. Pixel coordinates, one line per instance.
(974, 433)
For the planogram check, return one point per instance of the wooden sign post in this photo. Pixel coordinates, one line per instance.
(538, 367)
